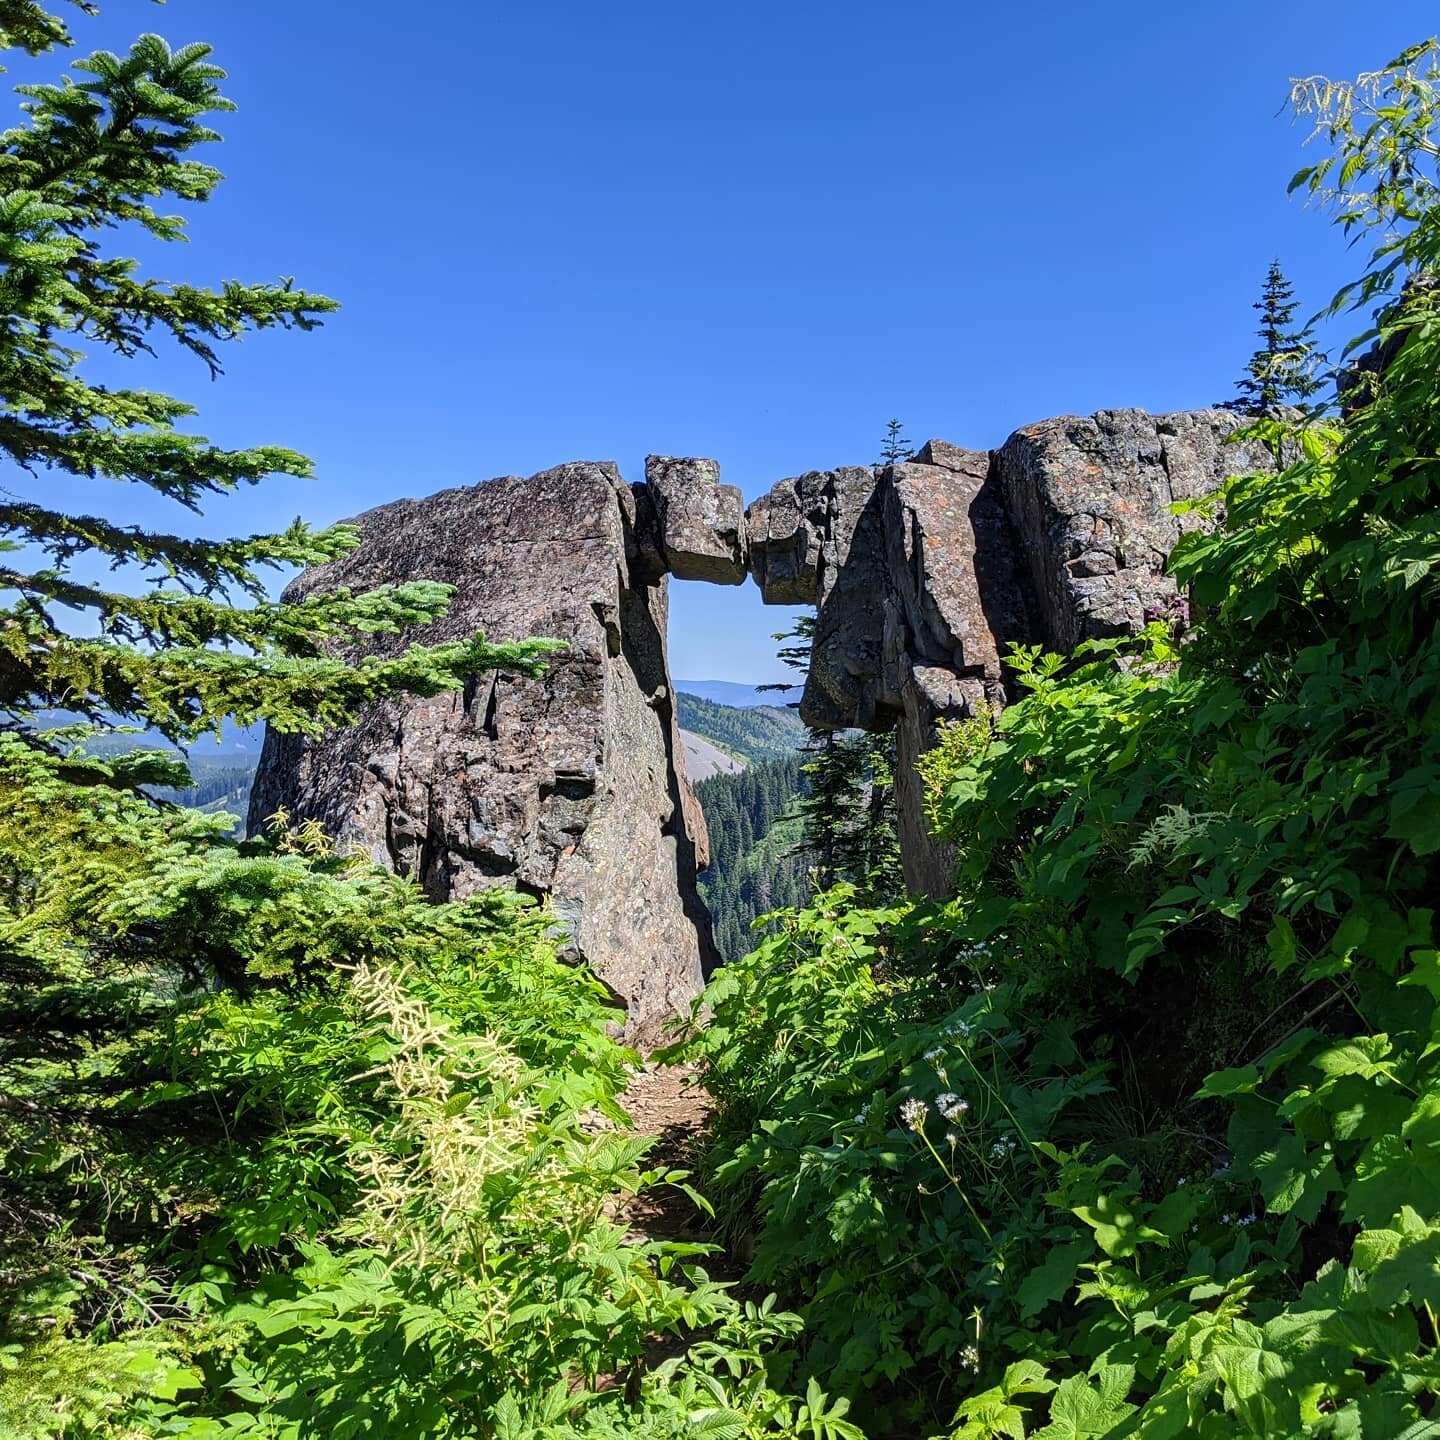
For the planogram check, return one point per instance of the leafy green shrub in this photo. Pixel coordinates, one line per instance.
(366, 1184)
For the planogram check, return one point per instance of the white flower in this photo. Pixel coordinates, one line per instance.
(970, 1358)
(1004, 1147)
(864, 1115)
(1182, 1180)
(1247, 1219)
(913, 1113)
(951, 1139)
(935, 1056)
(952, 1107)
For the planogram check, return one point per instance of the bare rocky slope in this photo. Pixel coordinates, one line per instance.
(574, 786)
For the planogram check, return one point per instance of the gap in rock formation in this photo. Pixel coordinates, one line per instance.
(573, 786)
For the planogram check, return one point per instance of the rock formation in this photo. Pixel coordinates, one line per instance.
(925, 576)
(573, 786)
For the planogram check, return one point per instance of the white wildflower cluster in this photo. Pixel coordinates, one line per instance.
(952, 1107)
(864, 1114)
(1243, 1220)
(935, 1056)
(975, 953)
(913, 1113)
(1004, 1147)
(970, 1358)
(959, 1030)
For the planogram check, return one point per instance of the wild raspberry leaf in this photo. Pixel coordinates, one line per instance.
(1425, 972)
(1253, 1378)
(1414, 812)
(1296, 1180)
(1052, 1278)
(1401, 1263)
(1239, 1081)
(1117, 1230)
(1372, 1335)
(1080, 1411)
(1366, 1055)
(1392, 1173)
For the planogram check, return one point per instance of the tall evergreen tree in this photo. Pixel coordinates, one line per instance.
(1284, 370)
(848, 807)
(94, 156)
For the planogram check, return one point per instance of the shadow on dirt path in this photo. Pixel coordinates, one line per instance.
(666, 1101)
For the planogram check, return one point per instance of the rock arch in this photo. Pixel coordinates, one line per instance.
(573, 786)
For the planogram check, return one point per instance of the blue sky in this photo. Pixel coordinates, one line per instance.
(753, 231)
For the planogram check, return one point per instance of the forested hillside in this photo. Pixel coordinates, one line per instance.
(757, 856)
(754, 733)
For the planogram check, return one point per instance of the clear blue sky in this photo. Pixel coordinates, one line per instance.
(753, 231)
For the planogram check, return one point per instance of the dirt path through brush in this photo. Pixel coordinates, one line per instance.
(666, 1101)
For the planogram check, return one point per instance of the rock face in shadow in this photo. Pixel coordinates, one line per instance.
(570, 786)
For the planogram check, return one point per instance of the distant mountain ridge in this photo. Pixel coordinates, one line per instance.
(753, 733)
(235, 742)
(731, 692)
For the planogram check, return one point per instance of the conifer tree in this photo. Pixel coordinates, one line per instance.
(95, 155)
(896, 447)
(182, 636)
(848, 807)
(1283, 369)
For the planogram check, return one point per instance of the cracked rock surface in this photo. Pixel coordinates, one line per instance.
(572, 787)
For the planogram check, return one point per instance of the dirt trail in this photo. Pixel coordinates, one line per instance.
(666, 1101)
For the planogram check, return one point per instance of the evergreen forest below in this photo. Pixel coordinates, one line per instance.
(1135, 1132)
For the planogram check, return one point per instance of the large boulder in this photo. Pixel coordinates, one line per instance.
(571, 786)
(1092, 496)
(700, 522)
(926, 571)
(799, 533)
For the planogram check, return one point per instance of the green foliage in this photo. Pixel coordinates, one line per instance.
(284, 1150)
(1285, 369)
(1137, 1135)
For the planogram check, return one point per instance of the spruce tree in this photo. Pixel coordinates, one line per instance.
(848, 805)
(896, 447)
(1283, 369)
(93, 156)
